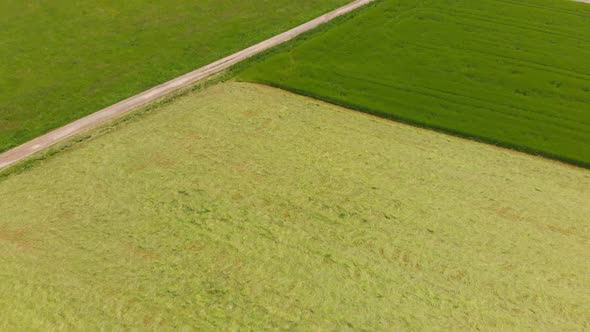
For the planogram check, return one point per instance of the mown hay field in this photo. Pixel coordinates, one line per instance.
(247, 206)
(63, 59)
(514, 73)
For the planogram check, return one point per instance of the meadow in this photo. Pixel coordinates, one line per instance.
(244, 206)
(62, 59)
(509, 72)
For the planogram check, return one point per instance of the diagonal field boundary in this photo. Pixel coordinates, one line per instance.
(93, 120)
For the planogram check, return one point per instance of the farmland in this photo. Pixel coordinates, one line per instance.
(62, 59)
(247, 206)
(513, 73)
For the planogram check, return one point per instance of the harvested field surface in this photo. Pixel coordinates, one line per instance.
(247, 206)
(513, 73)
(62, 59)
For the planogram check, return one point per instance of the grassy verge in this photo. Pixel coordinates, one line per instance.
(483, 70)
(134, 115)
(243, 206)
(61, 60)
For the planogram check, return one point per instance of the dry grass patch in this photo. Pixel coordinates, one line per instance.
(246, 206)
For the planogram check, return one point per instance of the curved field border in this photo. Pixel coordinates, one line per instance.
(23, 151)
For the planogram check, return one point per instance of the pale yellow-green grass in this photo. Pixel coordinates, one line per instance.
(242, 206)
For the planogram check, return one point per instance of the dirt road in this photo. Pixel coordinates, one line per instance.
(91, 121)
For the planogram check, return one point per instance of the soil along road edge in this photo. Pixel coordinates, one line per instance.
(23, 151)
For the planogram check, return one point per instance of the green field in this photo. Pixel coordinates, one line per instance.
(244, 206)
(62, 59)
(510, 72)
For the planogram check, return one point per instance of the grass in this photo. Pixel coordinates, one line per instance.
(61, 60)
(243, 206)
(513, 73)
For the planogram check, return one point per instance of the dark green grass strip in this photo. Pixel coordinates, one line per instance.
(511, 73)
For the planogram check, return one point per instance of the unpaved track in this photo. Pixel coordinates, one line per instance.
(91, 121)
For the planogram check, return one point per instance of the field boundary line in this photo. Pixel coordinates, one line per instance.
(93, 120)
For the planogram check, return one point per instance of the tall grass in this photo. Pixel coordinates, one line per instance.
(247, 207)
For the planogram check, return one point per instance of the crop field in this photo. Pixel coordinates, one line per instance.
(247, 206)
(63, 59)
(510, 72)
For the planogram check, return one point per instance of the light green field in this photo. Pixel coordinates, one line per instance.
(245, 206)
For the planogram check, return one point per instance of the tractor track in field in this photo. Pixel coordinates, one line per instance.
(93, 120)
